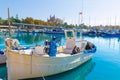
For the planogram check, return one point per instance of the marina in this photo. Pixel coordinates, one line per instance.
(47, 59)
(103, 33)
(100, 64)
(45, 42)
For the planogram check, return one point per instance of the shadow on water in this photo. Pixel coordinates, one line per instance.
(78, 73)
(3, 72)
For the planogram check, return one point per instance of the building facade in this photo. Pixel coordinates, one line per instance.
(54, 20)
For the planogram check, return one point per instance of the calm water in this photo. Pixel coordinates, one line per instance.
(104, 65)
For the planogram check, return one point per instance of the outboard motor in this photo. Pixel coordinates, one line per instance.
(47, 46)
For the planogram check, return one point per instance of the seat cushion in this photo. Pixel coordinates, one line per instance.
(68, 50)
(38, 50)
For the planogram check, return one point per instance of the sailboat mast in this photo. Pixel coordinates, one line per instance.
(9, 21)
(81, 23)
(82, 14)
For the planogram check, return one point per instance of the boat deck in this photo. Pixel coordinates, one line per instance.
(30, 52)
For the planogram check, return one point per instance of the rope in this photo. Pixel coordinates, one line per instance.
(31, 68)
(43, 76)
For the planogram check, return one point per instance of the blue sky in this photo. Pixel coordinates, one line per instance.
(95, 12)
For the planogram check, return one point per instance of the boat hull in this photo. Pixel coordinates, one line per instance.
(30, 66)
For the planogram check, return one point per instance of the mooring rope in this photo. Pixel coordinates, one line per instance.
(43, 76)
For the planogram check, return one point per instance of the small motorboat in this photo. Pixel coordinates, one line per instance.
(46, 60)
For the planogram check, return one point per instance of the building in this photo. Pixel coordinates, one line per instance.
(54, 20)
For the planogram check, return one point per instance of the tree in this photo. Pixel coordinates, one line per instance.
(5, 22)
(15, 20)
(28, 20)
(41, 22)
(37, 22)
(1, 21)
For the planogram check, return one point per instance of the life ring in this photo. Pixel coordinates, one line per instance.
(15, 43)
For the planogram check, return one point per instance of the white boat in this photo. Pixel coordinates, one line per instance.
(38, 62)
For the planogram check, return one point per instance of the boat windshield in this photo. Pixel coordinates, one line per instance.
(69, 34)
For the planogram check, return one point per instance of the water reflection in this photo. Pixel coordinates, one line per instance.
(107, 58)
(119, 39)
(78, 73)
(3, 72)
(37, 38)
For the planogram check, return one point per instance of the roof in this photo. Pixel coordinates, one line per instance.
(35, 25)
(6, 26)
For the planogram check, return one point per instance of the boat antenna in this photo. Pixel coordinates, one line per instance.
(9, 22)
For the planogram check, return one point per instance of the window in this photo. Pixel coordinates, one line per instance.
(69, 34)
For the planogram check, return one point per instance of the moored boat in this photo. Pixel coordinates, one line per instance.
(55, 31)
(48, 59)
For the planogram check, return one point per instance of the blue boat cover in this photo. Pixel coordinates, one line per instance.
(1, 52)
(25, 48)
(93, 50)
(53, 48)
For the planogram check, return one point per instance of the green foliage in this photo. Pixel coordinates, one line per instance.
(41, 22)
(82, 26)
(37, 22)
(1, 21)
(28, 20)
(12, 19)
(65, 25)
(5, 22)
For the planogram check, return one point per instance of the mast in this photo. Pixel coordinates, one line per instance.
(82, 13)
(81, 21)
(115, 22)
(9, 22)
(89, 21)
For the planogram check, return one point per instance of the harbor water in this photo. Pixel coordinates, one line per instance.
(104, 65)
